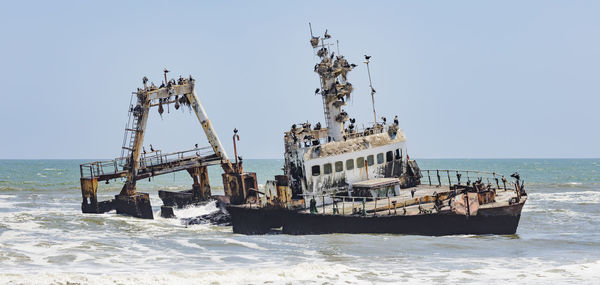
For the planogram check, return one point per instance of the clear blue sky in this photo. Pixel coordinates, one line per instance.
(468, 79)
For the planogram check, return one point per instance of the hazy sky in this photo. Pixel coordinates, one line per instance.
(468, 79)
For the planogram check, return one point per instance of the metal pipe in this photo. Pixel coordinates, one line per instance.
(213, 139)
(235, 135)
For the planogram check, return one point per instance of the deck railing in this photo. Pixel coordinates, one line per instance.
(449, 177)
(121, 164)
(358, 205)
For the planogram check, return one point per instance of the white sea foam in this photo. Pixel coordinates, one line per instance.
(519, 271)
(568, 197)
(187, 243)
(192, 212)
(243, 243)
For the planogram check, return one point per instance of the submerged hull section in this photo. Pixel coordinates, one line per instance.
(500, 220)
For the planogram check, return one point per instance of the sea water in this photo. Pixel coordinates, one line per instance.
(44, 237)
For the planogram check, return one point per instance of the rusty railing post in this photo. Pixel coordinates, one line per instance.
(375, 207)
(429, 176)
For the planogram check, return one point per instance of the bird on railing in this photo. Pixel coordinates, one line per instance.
(317, 126)
(195, 145)
(144, 149)
(151, 148)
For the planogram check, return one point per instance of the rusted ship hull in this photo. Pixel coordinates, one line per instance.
(499, 220)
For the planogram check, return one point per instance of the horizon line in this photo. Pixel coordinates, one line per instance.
(474, 158)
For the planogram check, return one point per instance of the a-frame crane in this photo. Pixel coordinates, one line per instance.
(135, 163)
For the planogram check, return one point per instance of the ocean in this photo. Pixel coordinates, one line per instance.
(44, 237)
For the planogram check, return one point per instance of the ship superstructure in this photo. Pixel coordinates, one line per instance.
(328, 160)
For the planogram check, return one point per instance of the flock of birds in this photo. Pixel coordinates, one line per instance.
(305, 128)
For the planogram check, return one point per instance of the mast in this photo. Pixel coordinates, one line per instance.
(335, 88)
(367, 58)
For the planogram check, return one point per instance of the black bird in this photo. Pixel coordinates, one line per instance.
(332, 54)
(162, 85)
(166, 71)
(384, 120)
(353, 65)
(396, 120)
(367, 57)
(516, 176)
(151, 148)
(144, 149)
(235, 130)
(317, 90)
(326, 35)
(196, 145)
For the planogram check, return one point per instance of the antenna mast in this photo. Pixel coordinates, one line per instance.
(367, 57)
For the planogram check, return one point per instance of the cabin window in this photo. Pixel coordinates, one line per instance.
(339, 166)
(360, 162)
(350, 164)
(316, 170)
(398, 154)
(389, 156)
(327, 168)
(370, 160)
(379, 158)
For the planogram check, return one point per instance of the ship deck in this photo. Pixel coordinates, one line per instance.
(422, 202)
